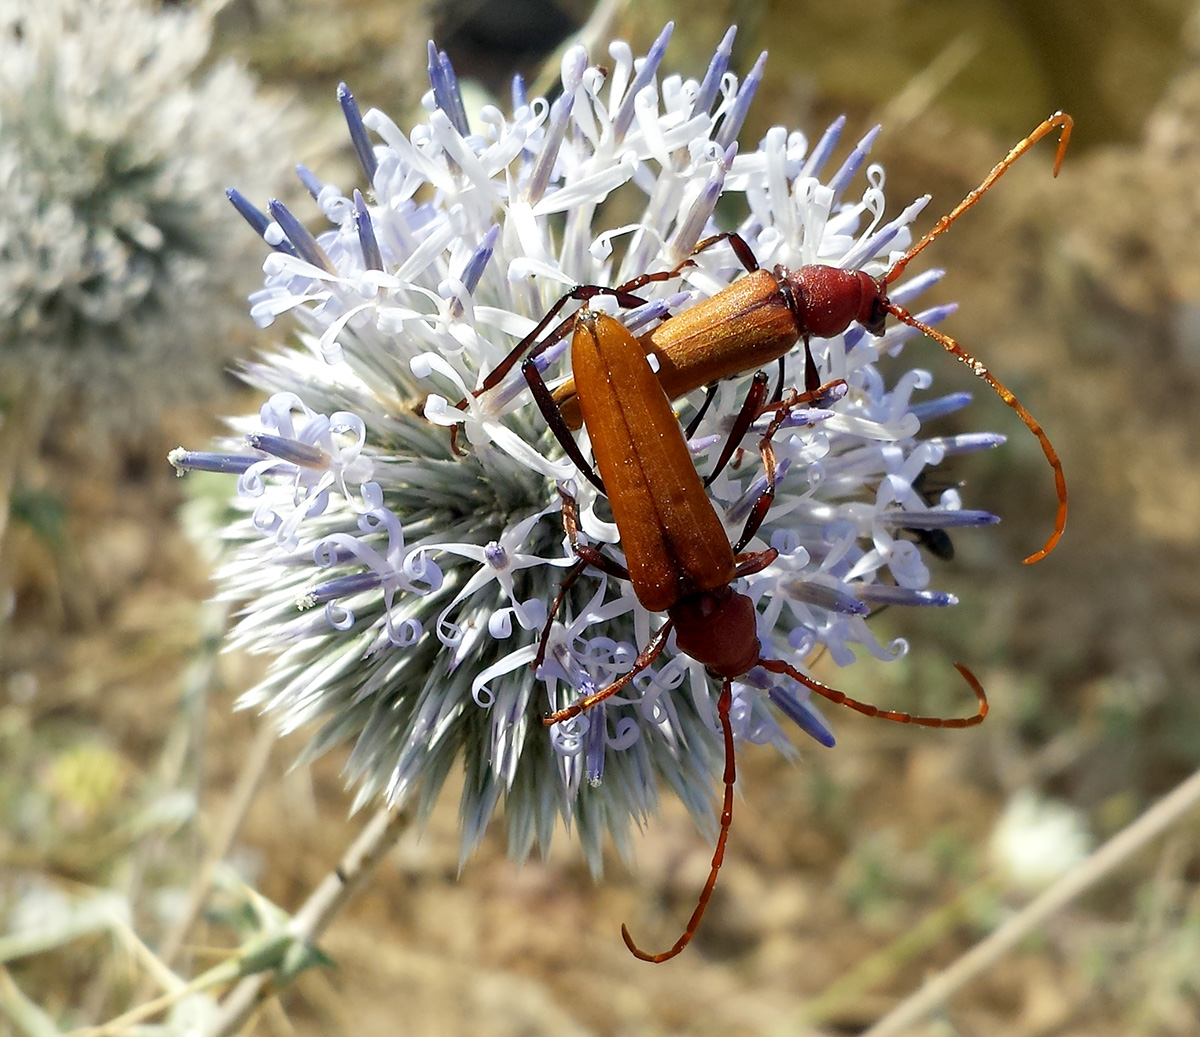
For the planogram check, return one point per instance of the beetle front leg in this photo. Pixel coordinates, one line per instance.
(742, 250)
(562, 432)
(643, 661)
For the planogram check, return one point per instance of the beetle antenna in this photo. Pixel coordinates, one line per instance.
(723, 706)
(1057, 119)
(842, 699)
(1060, 481)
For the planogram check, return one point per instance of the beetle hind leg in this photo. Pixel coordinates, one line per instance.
(724, 703)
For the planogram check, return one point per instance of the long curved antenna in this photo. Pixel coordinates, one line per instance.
(842, 699)
(1057, 119)
(978, 368)
(723, 706)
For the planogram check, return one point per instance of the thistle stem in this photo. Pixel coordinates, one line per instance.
(322, 906)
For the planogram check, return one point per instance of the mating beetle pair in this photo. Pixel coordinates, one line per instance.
(677, 554)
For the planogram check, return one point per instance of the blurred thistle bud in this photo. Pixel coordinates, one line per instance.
(1037, 841)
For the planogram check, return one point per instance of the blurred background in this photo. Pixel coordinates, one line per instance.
(850, 876)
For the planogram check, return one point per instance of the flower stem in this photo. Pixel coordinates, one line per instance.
(322, 906)
(243, 795)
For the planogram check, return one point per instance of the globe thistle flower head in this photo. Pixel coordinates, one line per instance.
(404, 590)
(113, 146)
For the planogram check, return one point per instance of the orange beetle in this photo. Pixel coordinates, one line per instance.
(762, 315)
(677, 554)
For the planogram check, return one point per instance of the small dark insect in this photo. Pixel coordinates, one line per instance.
(936, 541)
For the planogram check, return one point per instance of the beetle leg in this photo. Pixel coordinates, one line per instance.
(710, 394)
(777, 395)
(766, 450)
(783, 408)
(498, 372)
(580, 293)
(568, 582)
(754, 561)
(647, 656)
(589, 554)
(765, 499)
(812, 379)
(841, 698)
(751, 409)
(740, 249)
(545, 401)
(723, 706)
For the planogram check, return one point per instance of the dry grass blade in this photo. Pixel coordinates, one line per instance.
(1153, 823)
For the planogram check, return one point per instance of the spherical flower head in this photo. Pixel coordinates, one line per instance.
(113, 248)
(404, 589)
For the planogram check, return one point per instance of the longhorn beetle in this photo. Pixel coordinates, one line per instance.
(677, 554)
(762, 315)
